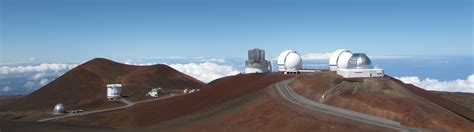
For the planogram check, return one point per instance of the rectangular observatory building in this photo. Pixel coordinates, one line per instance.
(256, 62)
(114, 91)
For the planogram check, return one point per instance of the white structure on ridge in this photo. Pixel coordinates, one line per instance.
(256, 62)
(59, 109)
(188, 91)
(339, 59)
(185, 91)
(192, 90)
(355, 65)
(155, 92)
(114, 91)
(290, 61)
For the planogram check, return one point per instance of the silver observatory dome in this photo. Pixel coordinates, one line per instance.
(58, 109)
(359, 61)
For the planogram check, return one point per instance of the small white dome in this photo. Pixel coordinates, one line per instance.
(289, 60)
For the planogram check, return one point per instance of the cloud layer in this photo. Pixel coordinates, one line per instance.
(37, 68)
(25, 79)
(316, 56)
(206, 71)
(458, 85)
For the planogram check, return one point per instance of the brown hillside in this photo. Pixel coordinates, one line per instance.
(383, 97)
(151, 113)
(244, 102)
(264, 110)
(248, 102)
(85, 84)
(463, 99)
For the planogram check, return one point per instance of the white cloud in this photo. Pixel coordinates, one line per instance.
(316, 56)
(56, 67)
(6, 89)
(35, 84)
(458, 85)
(213, 60)
(206, 71)
(38, 76)
(35, 76)
(43, 82)
(30, 84)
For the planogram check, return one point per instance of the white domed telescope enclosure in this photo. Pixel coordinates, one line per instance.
(114, 91)
(256, 62)
(339, 59)
(290, 61)
(359, 65)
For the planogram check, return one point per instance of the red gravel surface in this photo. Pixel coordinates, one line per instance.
(388, 98)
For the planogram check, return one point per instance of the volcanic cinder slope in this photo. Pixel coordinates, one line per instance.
(244, 102)
(385, 97)
(463, 99)
(84, 86)
(217, 92)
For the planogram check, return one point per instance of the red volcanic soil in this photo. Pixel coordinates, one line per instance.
(8, 99)
(216, 92)
(264, 110)
(236, 103)
(463, 99)
(431, 96)
(84, 86)
(30, 126)
(245, 102)
(388, 98)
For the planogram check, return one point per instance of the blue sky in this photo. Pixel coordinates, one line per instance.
(84, 29)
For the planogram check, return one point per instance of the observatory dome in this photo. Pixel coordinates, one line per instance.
(339, 59)
(59, 109)
(358, 61)
(289, 60)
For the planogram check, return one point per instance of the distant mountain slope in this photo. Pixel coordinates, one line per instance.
(85, 84)
(150, 113)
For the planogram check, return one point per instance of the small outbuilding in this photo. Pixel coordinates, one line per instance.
(156, 92)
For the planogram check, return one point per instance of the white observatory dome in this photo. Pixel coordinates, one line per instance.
(339, 59)
(358, 61)
(59, 109)
(289, 60)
